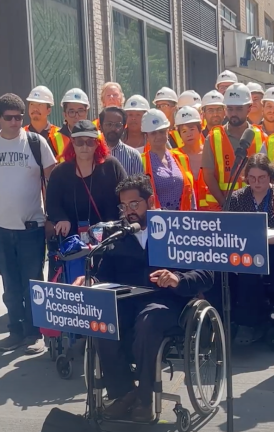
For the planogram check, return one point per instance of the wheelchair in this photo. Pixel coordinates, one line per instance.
(200, 344)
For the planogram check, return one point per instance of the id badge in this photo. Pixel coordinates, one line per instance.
(83, 227)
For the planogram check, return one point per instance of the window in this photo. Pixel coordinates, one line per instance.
(141, 56)
(251, 17)
(57, 48)
(268, 25)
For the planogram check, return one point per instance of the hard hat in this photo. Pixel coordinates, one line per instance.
(269, 95)
(190, 98)
(154, 120)
(255, 87)
(237, 94)
(187, 115)
(137, 103)
(226, 77)
(212, 98)
(41, 94)
(75, 95)
(165, 93)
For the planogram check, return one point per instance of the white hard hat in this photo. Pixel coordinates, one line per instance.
(226, 77)
(41, 94)
(237, 94)
(187, 115)
(165, 93)
(137, 103)
(75, 95)
(269, 94)
(212, 98)
(190, 98)
(255, 87)
(154, 120)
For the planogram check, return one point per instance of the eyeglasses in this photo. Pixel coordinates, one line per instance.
(80, 112)
(115, 125)
(133, 205)
(16, 117)
(218, 110)
(260, 179)
(90, 142)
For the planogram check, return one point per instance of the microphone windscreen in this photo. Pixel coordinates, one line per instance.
(248, 136)
(135, 227)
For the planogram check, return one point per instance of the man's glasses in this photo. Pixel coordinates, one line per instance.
(133, 205)
(80, 113)
(115, 125)
(90, 142)
(261, 179)
(218, 110)
(16, 117)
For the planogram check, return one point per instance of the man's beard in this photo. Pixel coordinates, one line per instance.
(141, 220)
(237, 122)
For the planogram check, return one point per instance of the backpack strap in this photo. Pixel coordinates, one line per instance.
(34, 143)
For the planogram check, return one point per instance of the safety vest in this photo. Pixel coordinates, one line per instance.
(53, 129)
(270, 147)
(60, 142)
(182, 161)
(224, 159)
(96, 123)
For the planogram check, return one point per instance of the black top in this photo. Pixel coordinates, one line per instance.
(45, 134)
(68, 200)
(127, 264)
(64, 130)
(242, 201)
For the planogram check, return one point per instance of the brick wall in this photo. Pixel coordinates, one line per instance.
(263, 7)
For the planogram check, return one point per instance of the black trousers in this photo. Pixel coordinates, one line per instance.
(143, 324)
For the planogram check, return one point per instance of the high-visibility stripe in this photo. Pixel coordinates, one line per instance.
(270, 147)
(258, 139)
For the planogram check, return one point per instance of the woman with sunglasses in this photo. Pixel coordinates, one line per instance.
(251, 311)
(81, 191)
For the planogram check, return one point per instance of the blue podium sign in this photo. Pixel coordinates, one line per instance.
(220, 241)
(79, 310)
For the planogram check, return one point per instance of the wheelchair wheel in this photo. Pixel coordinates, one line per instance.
(64, 367)
(183, 422)
(53, 348)
(204, 354)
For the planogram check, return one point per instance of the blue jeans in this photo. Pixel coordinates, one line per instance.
(22, 256)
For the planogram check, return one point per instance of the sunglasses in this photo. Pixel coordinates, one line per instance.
(90, 142)
(9, 117)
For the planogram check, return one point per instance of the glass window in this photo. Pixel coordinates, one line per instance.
(158, 60)
(57, 48)
(268, 29)
(128, 53)
(251, 17)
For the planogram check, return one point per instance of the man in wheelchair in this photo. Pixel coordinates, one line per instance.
(143, 321)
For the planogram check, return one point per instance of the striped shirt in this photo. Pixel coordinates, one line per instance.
(128, 157)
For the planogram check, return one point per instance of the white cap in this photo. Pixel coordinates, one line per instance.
(269, 94)
(190, 98)
(237, 94)
(213, 98)
(187, 115)
(165, 93)
(41, 94)
(75, 95)
(137, 103)
(226, 77)
(255, 87)
(154, 120)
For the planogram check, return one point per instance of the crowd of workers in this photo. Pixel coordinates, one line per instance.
(94, 170)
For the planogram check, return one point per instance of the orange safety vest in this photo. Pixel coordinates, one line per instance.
(60, 142)
(96, 123)
(224, 159)
(270, 147)
(182, 162)
(53, 129)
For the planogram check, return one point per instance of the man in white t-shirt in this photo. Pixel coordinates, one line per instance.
(22, 232)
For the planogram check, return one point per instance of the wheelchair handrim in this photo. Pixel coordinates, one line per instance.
(210, 406)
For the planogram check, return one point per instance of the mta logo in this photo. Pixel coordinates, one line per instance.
(155, 121)
(38, 295)
(133, 103)
(196, 98)
(77, 96)
(225, 76)
(236, 95)
(186, 115)
(160, 93)
(214, 97)
(158, 227)
(36, 94)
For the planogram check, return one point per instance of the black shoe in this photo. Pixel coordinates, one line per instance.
(120, 407)
(142, 413)
(12, 342)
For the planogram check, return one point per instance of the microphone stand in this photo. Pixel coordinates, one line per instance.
(227, 312)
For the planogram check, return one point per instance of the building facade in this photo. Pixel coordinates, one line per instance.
(248, 36)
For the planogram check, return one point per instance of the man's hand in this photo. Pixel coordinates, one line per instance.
(80, 281)
(63, 227)
(164, 279)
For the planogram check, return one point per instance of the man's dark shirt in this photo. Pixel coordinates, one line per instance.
(64, 130)
(127, 264)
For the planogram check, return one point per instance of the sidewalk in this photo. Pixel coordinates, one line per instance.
(30, 388)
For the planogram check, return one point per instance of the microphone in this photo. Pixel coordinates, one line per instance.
(241, 151)
(132, 228)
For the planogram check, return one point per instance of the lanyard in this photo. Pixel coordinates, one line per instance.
(89, 192)
(267, 198)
